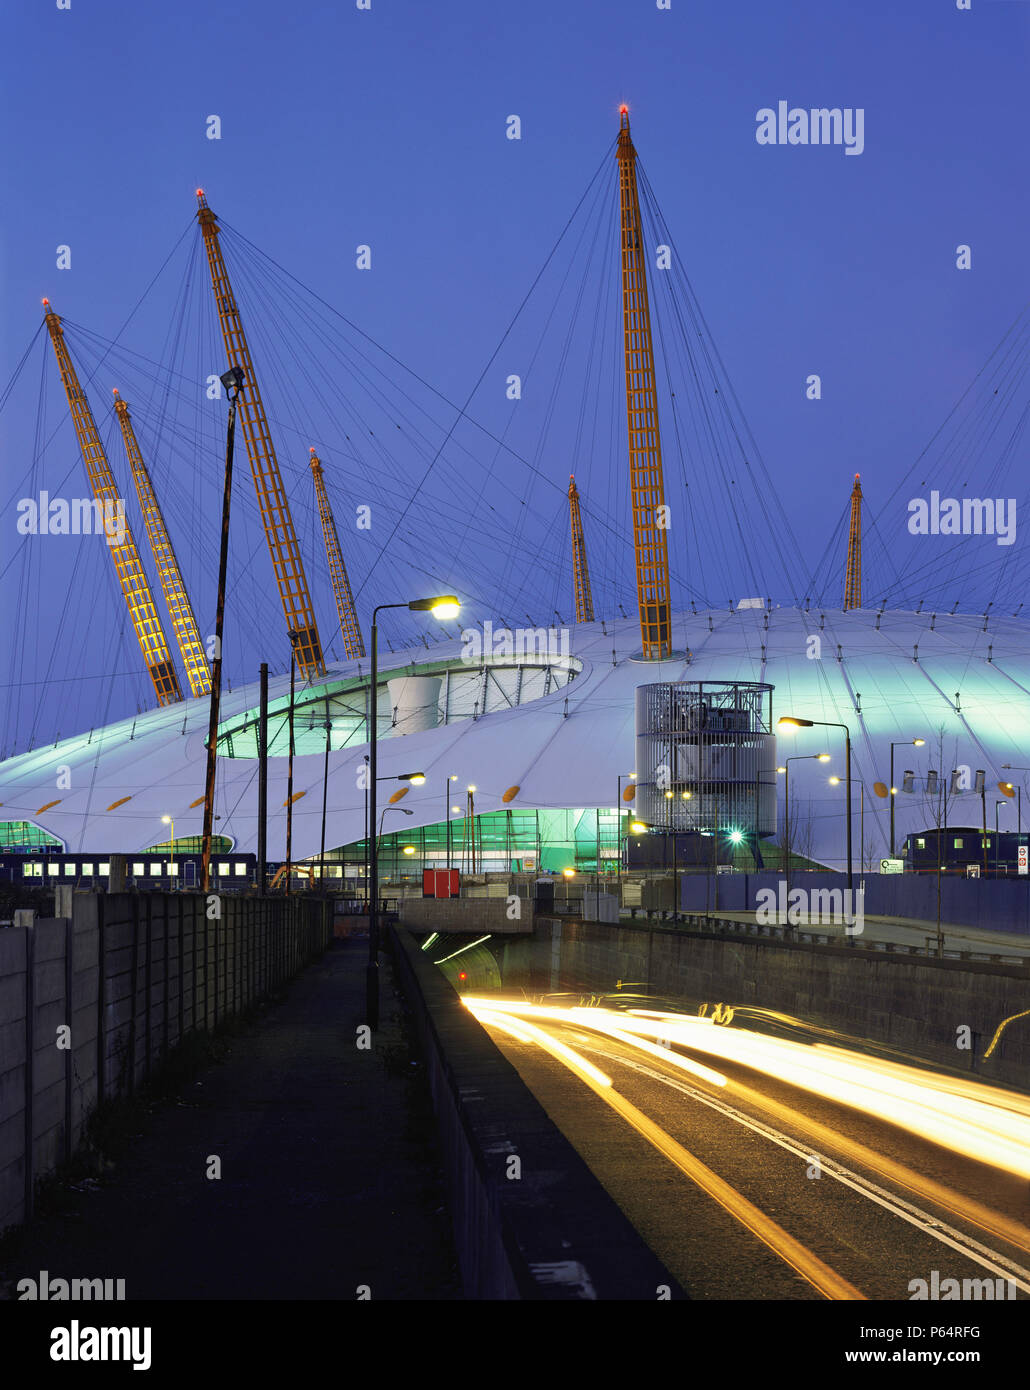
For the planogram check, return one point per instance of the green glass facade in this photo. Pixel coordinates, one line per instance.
(21, 836)
(586, 840)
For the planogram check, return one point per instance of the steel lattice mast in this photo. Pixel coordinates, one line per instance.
(853, 578)
(177, 600)
(131, 574)
(645, 449)
(580, 572)
(352, 641)
(264, 467)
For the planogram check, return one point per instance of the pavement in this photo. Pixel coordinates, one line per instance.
(331, 1184)
(910, 931)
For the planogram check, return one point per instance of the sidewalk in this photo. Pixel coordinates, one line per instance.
(912, 931)
(330, 1175)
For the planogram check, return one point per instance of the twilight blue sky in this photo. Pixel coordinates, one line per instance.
(386, 127)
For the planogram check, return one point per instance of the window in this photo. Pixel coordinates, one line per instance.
(88, 869)
(69, 870)
(155, 870)
(53, 869)
(105, 869)
(223, 868)
(172, 868)
(920, 843)
(241, 869)
(137, 869)
(959, 842)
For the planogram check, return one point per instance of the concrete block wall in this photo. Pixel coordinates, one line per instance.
(473, 915)
(122, 983)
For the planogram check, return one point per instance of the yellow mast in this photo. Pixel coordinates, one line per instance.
(853, 577)
(352, 642)
(580, 573)
(177, 600)
(264, 467)
(131, 575)
(645, 449)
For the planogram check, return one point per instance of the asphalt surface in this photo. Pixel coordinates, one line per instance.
(874, 1216)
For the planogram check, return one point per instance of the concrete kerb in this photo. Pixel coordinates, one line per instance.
(553, 1233)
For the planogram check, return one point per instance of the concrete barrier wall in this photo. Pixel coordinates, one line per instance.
(551, 1233)
(995, 905)
(472, 915)
(914, 1004)
(89, 1008)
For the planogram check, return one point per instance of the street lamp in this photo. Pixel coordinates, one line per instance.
(905, 743)
(630, 777)
(443, 607)
(447, 817)
(167, 820)
(294, 639)
(232, 380)
(997, 833)
(785, 769)
(789, 721)
(1019, 792)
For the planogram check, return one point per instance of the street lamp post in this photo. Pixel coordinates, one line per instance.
(167, 820)
(294, 639)
(232, 380)
(1011, 767)
(630, 777)
(443, 607)
(325, 794)
(997, 834)
(797, 758)
(447, 817)
(791, 722)
(905, 743)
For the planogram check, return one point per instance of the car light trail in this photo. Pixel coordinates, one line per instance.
(967, 1118)
(792, 1252)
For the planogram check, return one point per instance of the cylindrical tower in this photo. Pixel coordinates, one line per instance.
(711, 745)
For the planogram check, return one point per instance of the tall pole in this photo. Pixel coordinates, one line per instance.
(983, 808)
(997, 833)
(289, 769)
(372, 969)
(447, 830)
(618, 837)
(263, 781)
(891, 790)
(367, 833)
(847, 738)
(325, 792)
(233, 381)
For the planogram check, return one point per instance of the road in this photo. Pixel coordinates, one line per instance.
(763, 1167)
